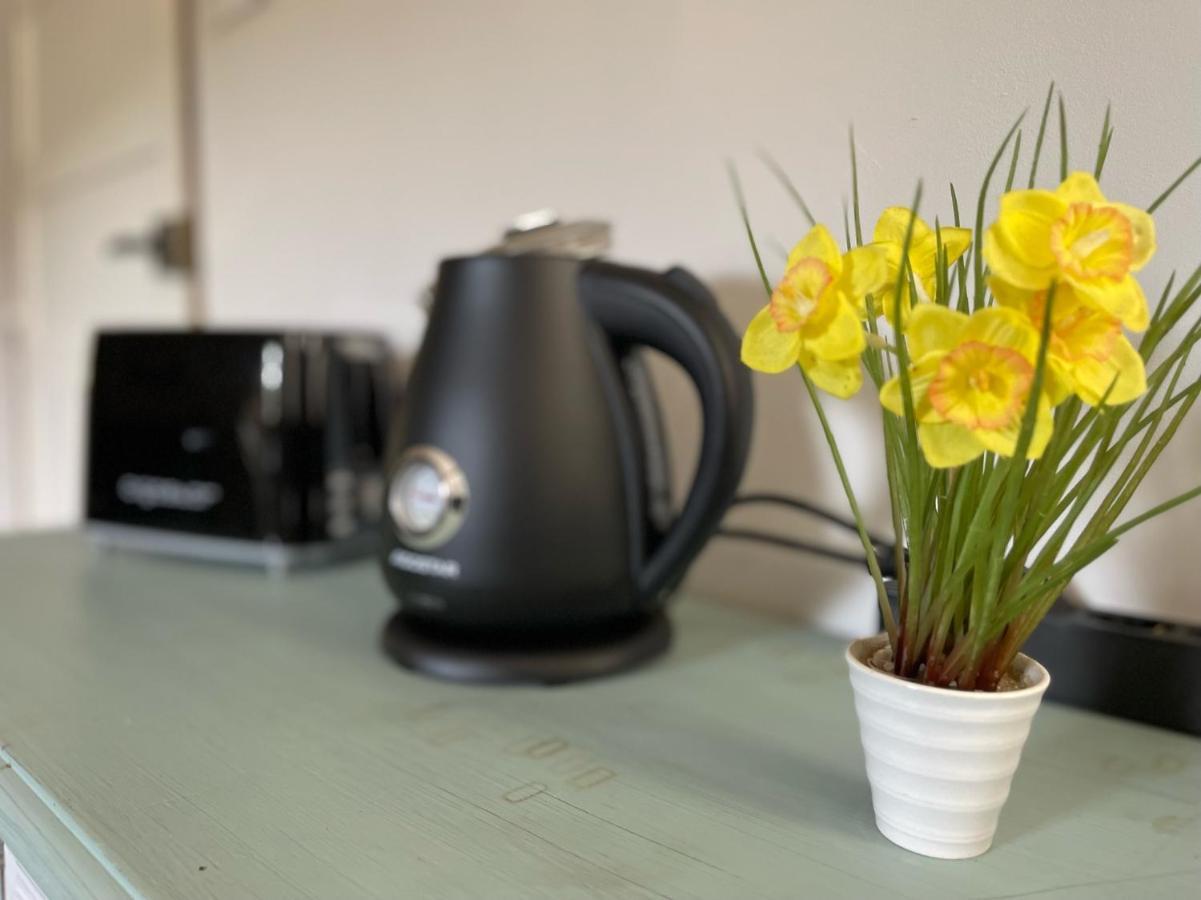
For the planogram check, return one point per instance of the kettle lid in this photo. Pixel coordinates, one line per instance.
(542, 232)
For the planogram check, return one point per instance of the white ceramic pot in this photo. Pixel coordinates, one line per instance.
(940, 761)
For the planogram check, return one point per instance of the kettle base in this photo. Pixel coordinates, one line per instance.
(604, 652)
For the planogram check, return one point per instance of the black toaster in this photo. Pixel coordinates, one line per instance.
(258, 447)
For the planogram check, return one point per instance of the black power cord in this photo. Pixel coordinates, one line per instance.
(806, 506)
(885, 549)
(766, 537)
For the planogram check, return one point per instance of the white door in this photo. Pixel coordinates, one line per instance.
(97, 158)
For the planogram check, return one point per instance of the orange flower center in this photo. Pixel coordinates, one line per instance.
(979, 385)
(1091, 241)
(981, 381)
(1086, 334)
(1079, 333)
(798, 295)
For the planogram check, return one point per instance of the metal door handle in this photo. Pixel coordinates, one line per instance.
(169, 244)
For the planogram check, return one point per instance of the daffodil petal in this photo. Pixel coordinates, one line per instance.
(1082, 330)
(1017, 246)
(1142, 228)
(841, 377)
(1058, 382)
(955, 241)
(1093, 377)
(934, 328)
(920, 376)
(1010, 295)
(889, 304)
(923, 260)
(1003, 441)
(865, 271)
(891, 397)
(1033, 208)
(767, 349)
(839, 338)
(1080, 187)
(1008, 262)
(885, 301)
(1003, 327)
(818, 244)
(1044, 426)
(892, 225)
(946, 445)
(923, 256)
(1124, 299)
(929, 291)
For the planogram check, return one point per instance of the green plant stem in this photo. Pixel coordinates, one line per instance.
(869, 548)
(902, 649)
(1063, 140)
(855, 192)
(1042, 132)
(873, 564)
(1103, 144)
(1013, 161)
(977, 259)
(1158, 201)
(778, 171)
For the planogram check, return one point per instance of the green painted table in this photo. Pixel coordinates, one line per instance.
(174, 730)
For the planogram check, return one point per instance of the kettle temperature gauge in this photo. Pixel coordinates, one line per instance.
(428, 497)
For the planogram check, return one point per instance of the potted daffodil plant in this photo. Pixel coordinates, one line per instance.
(1027, 385)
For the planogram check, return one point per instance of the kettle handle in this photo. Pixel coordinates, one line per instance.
(674, 314)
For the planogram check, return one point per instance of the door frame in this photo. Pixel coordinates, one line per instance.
(16, 232)
(20, 293)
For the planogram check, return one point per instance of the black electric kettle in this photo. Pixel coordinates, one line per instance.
(519, 540)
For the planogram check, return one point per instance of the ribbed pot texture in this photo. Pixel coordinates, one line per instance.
(940, 761)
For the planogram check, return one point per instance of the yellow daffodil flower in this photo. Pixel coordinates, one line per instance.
(971, 379)
(923, 254)
(811, 319)
(1074, 236)
(1087, 351)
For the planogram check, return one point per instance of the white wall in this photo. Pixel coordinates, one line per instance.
(350, 145)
